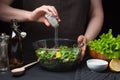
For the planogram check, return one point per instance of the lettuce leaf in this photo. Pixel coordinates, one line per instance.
(107, 45)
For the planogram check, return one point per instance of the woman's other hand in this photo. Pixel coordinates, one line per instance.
(82, 44)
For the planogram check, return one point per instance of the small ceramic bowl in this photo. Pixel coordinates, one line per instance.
(98, 65)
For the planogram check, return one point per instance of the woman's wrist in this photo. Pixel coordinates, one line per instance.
(82, 40)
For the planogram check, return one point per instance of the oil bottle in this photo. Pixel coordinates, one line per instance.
(16, 49)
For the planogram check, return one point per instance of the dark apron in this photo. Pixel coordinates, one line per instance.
(73, 15)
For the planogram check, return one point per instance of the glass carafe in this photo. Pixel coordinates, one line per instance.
(4, 60)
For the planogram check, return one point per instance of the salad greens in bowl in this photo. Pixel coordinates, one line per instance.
(107, 45)
(64, 57)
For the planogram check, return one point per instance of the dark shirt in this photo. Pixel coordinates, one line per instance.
(73, 15)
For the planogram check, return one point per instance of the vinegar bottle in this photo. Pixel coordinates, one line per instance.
(16, 51)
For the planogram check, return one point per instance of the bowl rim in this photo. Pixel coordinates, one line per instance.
(60, 39)
(104, 62)
(53, 40)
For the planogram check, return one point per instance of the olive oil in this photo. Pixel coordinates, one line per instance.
(16, 51)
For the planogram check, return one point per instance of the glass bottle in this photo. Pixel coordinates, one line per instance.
(16, 51)
(4, 60)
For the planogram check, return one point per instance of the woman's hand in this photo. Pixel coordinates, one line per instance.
(82, 44)
(38, 15)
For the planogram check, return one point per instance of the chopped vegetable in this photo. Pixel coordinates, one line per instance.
(58, 54)
(63, 54)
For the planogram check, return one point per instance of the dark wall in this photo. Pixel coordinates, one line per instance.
(112, 16)
(111, 11)
(4, 26)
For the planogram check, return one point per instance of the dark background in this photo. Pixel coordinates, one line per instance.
(111, 21)
(112, 16)
(111, 13)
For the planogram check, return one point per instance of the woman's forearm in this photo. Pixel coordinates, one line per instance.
(94, 28)
(7, 13)
(96, 20)
(37, 15)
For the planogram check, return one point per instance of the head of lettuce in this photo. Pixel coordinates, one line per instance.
(107, 45)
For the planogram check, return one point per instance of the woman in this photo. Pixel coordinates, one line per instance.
(80, 20)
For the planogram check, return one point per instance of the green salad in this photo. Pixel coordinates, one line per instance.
(62, 54)
(107, 45)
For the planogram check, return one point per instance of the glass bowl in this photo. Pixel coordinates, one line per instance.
(61, 57)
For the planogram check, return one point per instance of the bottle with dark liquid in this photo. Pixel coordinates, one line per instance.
(16, 51)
